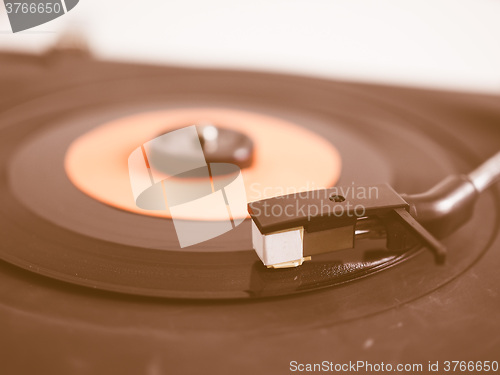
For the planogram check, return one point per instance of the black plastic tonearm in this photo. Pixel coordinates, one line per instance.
(329, 219)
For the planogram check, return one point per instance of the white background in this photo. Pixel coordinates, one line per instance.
(451, 44)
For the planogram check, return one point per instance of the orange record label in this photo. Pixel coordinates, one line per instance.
(288, 158)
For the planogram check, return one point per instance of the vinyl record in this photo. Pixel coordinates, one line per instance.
(219, 291)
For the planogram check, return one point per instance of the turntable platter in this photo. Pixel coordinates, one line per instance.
(216, 299)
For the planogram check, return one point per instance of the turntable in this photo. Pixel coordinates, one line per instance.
(90, 283)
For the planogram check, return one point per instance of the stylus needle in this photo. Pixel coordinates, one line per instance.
(288, 230)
